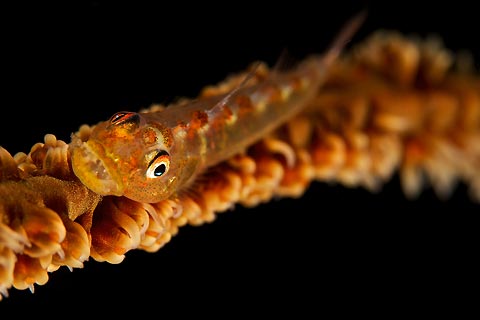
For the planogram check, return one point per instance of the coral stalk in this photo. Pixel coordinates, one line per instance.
(391, 105)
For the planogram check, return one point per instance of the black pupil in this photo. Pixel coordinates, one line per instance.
(160, 170)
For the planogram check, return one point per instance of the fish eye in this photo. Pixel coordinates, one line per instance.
(159, 165)
(124, 117)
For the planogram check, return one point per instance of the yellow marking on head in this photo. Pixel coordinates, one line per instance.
(166, 134)
(150, 135)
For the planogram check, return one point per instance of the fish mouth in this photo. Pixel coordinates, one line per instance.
(91, 169)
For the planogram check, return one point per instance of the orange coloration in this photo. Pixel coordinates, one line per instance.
(149, 136)
(352, 132)
(273, 94)
(200, 118)
(117, 157)
(198, 121)
(245, 105)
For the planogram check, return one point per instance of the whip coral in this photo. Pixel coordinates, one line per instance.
(390, 105)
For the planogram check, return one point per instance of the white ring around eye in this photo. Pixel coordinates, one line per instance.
(159, 165)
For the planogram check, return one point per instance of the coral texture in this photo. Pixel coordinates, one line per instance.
(391, 104)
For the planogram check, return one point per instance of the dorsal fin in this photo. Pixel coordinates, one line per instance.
(331, 54)
(218, 108)
(343, 37)
(284, 62)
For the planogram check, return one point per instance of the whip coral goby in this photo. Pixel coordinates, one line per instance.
(150, 156)
(391, 104)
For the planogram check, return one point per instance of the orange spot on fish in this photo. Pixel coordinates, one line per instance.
(227, 114)
(149, 136)
(244, 104)
(199, 119)
(296, 84)
(273, 94)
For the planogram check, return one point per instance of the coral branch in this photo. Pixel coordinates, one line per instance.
(392, 105)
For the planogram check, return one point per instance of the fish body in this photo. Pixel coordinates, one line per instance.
(151, 156)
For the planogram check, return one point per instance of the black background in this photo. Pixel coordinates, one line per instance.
(335, 249)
